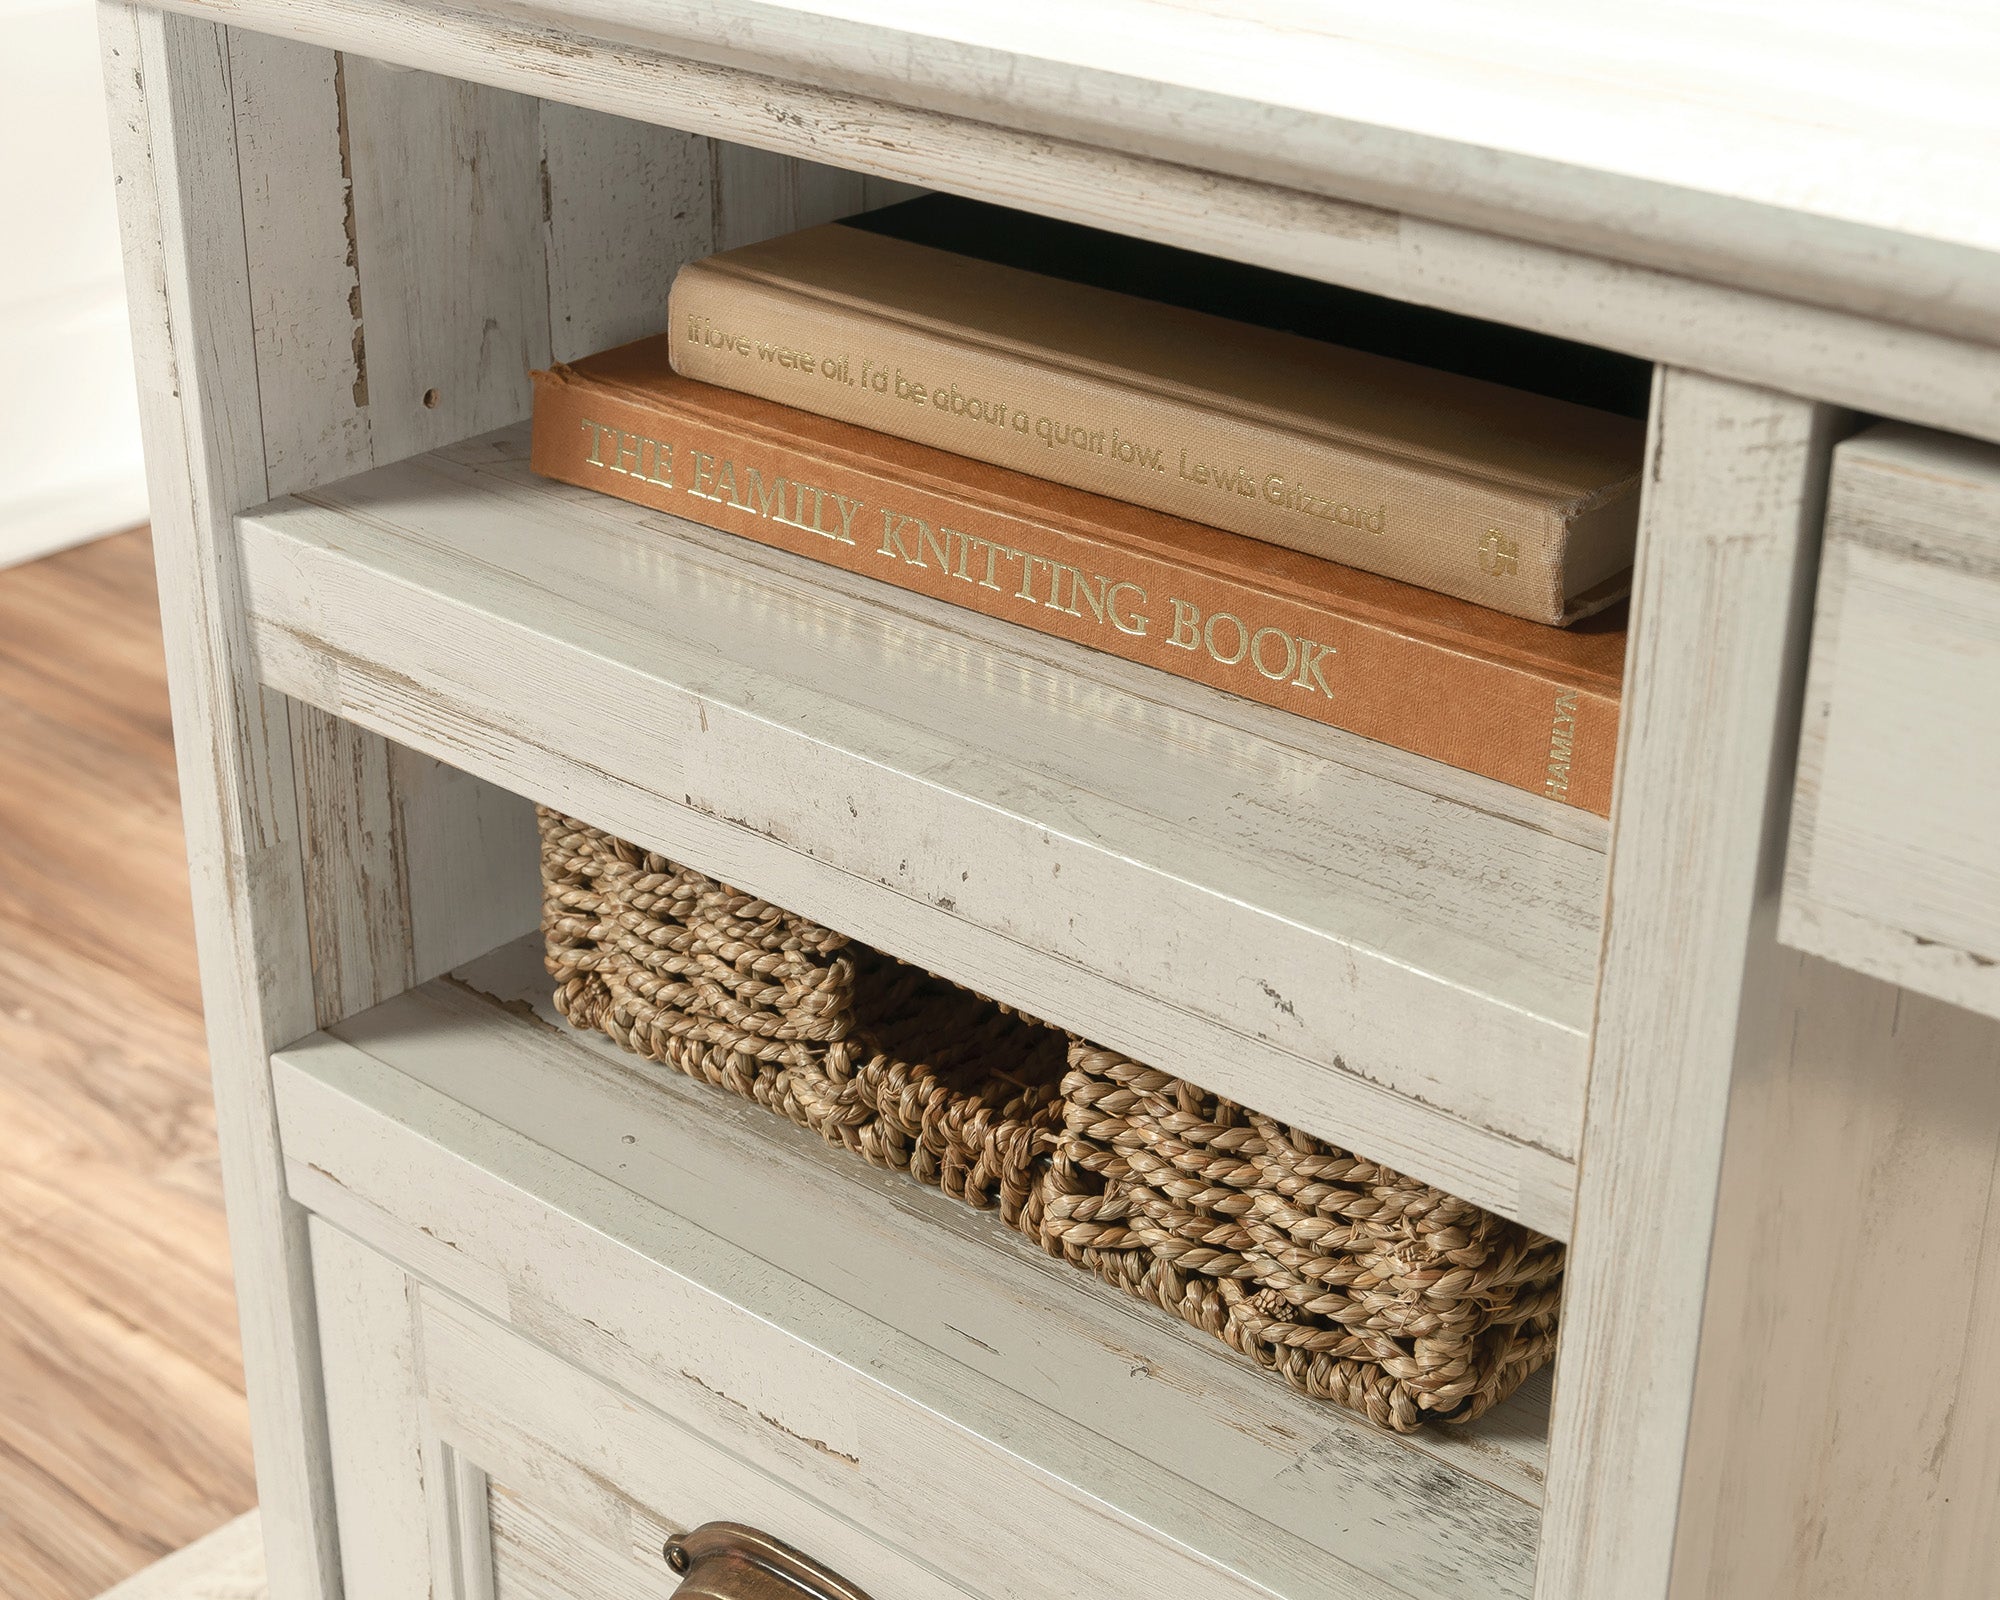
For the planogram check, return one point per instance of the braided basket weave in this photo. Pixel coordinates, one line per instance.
(903, 1068)
(1357, 1284)
(1352, 1282)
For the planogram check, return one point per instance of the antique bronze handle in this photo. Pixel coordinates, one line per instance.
(727, 1561)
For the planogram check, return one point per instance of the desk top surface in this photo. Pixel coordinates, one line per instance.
(1846, 152)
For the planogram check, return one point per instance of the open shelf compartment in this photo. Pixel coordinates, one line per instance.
(1387, 953)
(430, 1124)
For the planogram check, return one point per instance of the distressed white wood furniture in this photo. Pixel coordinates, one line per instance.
(515, 1308)
(1894, 864)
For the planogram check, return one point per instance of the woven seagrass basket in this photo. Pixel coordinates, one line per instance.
(898, 1066)
(1352, 1282)
(1357, 1284)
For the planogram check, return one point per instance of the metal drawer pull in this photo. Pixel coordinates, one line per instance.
(727, 1561)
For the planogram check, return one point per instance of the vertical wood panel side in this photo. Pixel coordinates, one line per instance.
(1841, 1441)
(470, 857)
(464, 1523)
(888, 191)
(620, 205)
(308, 325)
(368, 1328)
(623, 205)
(170, 105)
(759, 194)
(1963, 1557)
(825, 194)
(1735, 479)
(454, 291)
(305, 283)
(393, 226)
(357, 879)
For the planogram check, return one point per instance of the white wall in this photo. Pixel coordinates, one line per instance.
(69, 421)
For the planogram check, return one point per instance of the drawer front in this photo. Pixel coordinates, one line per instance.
(471, 1462)
(1894, 862)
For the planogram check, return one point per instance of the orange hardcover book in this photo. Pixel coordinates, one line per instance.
(1532, 706)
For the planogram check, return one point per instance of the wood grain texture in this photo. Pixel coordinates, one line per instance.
(1846, 1402)
(454, 308)
(459, 841)
(1721, 601)
(227, 1564)
(1535, 127)
(539, 1556)
(1894, 862)
(181, 218)
(1429, 949)
(123, 1429)
(623, 205)
(414, 1520)
(561, 228)
(357, 882)
(956, 123)
(368, 1332)
(463, 1534)
(1410, 948)
(343, 234)
(1000, 1343)
(760, 194)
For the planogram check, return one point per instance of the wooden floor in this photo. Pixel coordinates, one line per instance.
(123, 1432)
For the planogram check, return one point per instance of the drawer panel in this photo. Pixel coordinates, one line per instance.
(483, 1466)
(1894, 862)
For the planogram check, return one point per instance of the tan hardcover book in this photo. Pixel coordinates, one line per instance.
(1514, 500)
(1535, 707)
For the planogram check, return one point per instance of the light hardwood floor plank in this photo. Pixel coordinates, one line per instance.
(123, 1429)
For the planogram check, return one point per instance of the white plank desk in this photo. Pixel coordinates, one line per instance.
(515, 1311)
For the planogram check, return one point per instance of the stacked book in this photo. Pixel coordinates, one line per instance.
(1412, 526)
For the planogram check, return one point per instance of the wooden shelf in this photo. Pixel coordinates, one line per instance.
(464, 1128)
(1390, 954)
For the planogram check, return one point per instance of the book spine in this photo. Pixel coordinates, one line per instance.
(1095, 428)
(1481, 715)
